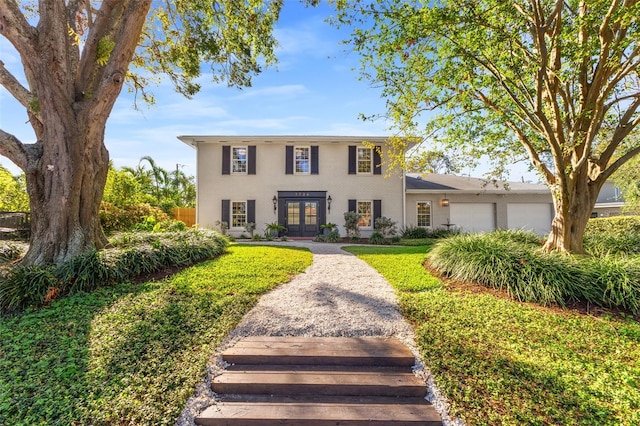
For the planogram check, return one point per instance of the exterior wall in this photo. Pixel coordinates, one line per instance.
(441, 215)
(610, 201)
(270, 178)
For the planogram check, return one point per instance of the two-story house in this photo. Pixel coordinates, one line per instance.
(302, 182)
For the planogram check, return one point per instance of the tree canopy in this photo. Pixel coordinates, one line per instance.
(77, 55)
(551, 81)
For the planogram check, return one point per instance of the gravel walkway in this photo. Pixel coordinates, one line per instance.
(338, 295)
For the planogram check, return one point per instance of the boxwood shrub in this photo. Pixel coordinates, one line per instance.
(132, 254)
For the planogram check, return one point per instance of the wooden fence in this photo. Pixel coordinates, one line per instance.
(185, 214)
(15, 225)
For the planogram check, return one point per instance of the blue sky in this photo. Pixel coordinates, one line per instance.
(313, 90)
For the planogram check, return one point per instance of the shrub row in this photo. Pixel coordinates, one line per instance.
(613, 235)
(114, 218)
(617, 225)
(132, 255)
(511, 260)
(417, 232)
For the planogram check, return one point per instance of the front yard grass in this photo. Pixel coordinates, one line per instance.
(131, 354)
(501, 362)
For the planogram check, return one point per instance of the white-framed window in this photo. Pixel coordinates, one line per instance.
(364, 160)
(302, 160)
(239, 160)
(423, 214)
(238, 214)
(365, 213)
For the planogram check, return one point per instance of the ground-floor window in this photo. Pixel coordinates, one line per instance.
(424, 213)
(238, 214)
(364, 210)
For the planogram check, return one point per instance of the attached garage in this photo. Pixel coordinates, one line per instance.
(473, 217)
(534, 217)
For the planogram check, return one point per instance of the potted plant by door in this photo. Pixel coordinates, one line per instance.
(328, 227)
(273, 230)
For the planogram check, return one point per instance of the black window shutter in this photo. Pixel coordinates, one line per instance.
(251, 211)
(352, 159)
(377, 209)
(377, 161)
(226, 160)
(226, 211)
(251, 167)
(314, 160)
(353, 206)
(289, 160)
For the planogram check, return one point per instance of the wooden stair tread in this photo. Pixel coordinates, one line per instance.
(261, 413)
(321, 383)
(318, 381)
(322, 399)
(319, 351)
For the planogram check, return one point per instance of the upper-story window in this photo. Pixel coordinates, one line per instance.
(239, 160)
(302, 159)
(365, 157)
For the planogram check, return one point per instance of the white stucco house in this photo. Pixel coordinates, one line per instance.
(302, 182)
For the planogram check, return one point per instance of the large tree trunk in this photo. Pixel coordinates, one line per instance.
(73, 86)
(65, 189)
(573, 207)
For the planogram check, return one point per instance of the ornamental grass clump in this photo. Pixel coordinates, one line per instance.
(131, 256)
(507, 261)
(513, 261)
(613, 282)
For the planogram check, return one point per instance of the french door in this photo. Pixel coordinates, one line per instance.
(302, 218)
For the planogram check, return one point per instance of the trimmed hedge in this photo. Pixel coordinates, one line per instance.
(132, 255)
(613, 235)
(617, 225)
(417, 232)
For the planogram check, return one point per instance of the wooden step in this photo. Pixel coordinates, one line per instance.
(319, 351)
(292, 382)
(319, 381)
(317, 414)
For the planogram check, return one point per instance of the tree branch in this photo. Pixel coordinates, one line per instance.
(126, 30)
(606, 174)
(624, 128)
(16, 29)
(87, 62)
(13, 149)
(13, 86)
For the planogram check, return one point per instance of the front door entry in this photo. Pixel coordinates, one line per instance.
(301, 218)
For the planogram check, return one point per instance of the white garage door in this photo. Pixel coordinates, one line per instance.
(473, 217)
(534, 217)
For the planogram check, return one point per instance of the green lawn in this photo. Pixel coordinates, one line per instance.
(501, 362)
(131, 354)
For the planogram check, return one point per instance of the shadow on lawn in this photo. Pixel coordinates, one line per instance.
(121, 354)
(485, 386)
